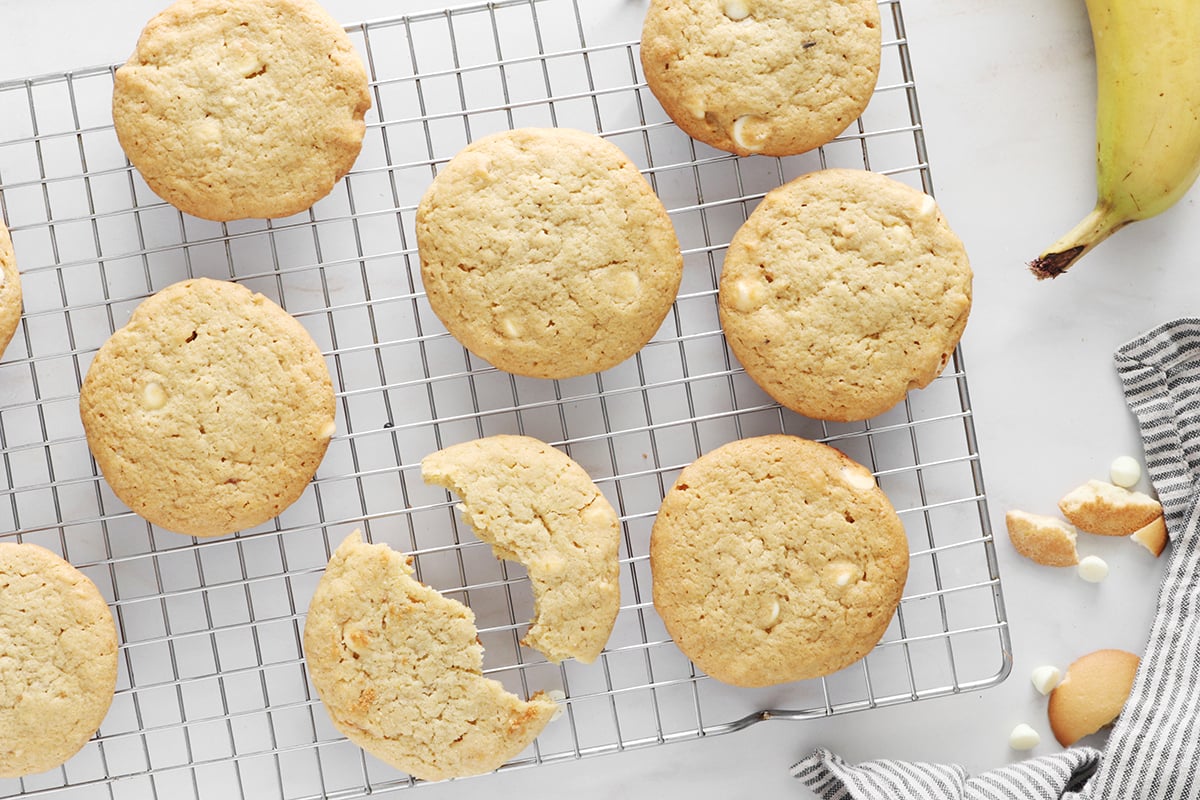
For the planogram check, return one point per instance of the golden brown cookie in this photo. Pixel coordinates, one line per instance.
(398, 667)
(777, 77)
(10, 289)
(242, 108)
(1092, 694)
(1045, 540)
(1109, 510)
(210, 411)
(776, 559)
(842, 291)
(534, 505)
(546, 253)
(58, 660)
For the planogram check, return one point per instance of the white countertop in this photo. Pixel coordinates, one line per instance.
(1006, 90)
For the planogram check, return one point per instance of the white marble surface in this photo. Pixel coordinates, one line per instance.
(1006, 90)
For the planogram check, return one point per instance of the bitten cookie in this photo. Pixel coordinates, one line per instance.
(777, 77)
(242, 108)
(776, 559)
(10, 289)
(58, 661)
(210, 411)
(534, 505)
(398, 667)
(546, 253)
(842, 291)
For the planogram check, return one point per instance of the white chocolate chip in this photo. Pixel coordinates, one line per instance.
(749, 133)
(247, 63)
(478, 167)
(748, 294)
(696, 107)
(209, 131)
(596, 515)
(1024, 737)
(771, 616)
(1093, 569)
(558, 696)
(511, 329)
(329, 430)
(1125, 471)
(1045, 678)
(736, 10)
(154, 396)
(858, 478)
(842, 574)
(627, 286)
(928, 207)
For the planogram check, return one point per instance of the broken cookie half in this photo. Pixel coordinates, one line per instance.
(536, 506)
(1109, 510)
(398, 667)
(1045, 540)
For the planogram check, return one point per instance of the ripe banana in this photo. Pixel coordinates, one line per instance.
(1147, 118)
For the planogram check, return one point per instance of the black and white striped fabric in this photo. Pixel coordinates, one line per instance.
(1153, 751)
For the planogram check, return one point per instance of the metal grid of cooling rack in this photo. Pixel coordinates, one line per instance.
(212, 694)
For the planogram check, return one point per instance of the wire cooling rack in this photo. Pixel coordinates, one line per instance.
(212, 695)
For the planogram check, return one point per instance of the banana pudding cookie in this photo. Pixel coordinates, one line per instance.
(58, 665)
(233, 109)
(777, 77)
(10, 289)
(546, 253)
(535, 505)
(210, 411)
(842, 291)
(399, 669)
(776, 559)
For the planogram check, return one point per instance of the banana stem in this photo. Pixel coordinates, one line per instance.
(1093, 229)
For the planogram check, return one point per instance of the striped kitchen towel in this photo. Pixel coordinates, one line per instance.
(1153, 751)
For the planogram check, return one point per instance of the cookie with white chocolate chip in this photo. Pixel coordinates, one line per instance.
(776, 559)
(242, 108)
(535, 505)
(10, 289)
(777, 77)
(546, 253)
(210, 410)
(59, 663)
(842, 291)
(399, 668)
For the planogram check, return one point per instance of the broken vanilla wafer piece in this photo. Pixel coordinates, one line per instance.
(1045, 540)
(1109, 510)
